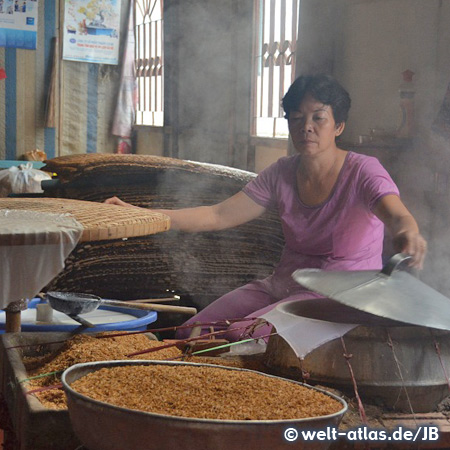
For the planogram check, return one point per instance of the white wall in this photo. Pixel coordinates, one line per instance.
(375, 41)
(378, 40)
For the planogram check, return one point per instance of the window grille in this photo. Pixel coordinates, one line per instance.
(275, 43)
(149, 52)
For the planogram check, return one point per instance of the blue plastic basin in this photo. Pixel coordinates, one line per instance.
(139, 323)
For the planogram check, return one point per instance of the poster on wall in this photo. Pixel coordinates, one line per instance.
(18, 23)
(91, 31)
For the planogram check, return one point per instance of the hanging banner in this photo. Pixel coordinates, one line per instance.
(18, 23)
(91, 31)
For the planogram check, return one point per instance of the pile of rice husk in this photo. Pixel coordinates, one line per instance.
(87, 348)
(83, 348)
(205, 392)
(251, 362)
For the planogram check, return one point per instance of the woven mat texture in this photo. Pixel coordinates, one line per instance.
(198, 266)
(70, 168)
(100, 221)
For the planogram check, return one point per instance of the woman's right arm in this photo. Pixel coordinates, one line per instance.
(234, 211)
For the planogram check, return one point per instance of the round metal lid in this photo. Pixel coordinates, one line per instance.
(390, 293)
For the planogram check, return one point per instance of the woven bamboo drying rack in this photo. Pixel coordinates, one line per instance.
(100, 222)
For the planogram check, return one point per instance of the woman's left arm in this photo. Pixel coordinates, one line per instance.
(403, 228)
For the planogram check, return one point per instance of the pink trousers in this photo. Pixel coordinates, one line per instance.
(247, 302)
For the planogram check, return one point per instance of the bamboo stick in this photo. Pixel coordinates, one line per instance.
(50, 119)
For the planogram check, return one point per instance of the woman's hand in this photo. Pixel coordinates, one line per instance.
(230, 213)
(117, 201)
(413, 244)
(403, 228)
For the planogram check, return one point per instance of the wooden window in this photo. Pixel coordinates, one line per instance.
(274, 70)
(149, 52)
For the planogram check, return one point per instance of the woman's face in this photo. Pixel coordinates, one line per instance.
(312, 127)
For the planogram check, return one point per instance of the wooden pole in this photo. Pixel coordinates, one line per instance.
(50, 109)
(12, 316)
(12, 324)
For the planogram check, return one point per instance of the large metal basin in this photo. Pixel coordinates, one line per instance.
(408, 374)
(101, 426)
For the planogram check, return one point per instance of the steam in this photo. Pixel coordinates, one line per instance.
(365, 53)
(209, 264)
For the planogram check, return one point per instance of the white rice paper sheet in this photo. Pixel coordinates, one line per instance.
(304, 334)
(33, 248)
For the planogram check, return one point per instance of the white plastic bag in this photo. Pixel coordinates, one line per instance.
(21, 180)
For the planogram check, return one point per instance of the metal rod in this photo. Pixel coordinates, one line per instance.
(45, 388)
(175, 298)
(226, 322)
(233, 343)
(182, 341)
(271, 57)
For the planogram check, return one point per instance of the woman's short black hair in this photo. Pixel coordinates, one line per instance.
(323, 88)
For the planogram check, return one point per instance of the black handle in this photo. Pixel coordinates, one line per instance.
(79, 319)
(392, 264)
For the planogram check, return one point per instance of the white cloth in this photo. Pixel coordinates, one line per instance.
(33, 248)
(304, 334)
(124, 116)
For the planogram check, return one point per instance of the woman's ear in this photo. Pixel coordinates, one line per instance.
(340, 128)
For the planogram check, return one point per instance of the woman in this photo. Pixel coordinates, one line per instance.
(333, 205)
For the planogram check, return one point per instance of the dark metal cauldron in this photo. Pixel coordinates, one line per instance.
(101, 426)
(400, 377)
(396, 363)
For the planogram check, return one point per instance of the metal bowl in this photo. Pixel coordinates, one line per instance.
(101, 426)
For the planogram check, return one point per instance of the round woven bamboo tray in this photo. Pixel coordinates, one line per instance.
(100, 221)
(71, 168)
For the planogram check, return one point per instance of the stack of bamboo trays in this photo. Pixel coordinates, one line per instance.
(198, 266)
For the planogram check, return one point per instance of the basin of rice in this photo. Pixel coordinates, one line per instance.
(159, 405)
(204, 391)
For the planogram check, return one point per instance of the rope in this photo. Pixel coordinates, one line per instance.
(250, 329)
(59, 385)
(42, 375)
(225, 323)
(183, 341)
(391, 344)
(224, 346)
(305, 374)
(347, 356)
(45, 388)
(438, 352)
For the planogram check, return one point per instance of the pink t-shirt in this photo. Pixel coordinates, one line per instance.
(341, 233)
